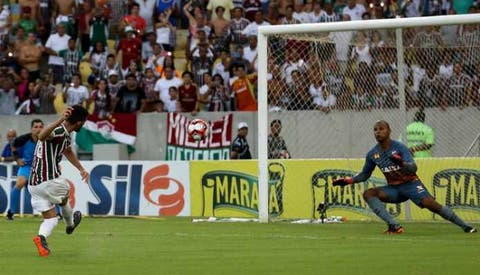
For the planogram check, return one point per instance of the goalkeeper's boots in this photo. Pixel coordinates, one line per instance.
(77, 218)
(394, 229)
(41, 244)
(470, 229)
(9, 215)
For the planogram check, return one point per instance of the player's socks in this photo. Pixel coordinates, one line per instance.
(449, 215)
(67, 215)
(14, 199)
(47, 227)
(379, 209)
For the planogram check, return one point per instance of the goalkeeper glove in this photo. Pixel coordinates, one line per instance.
(396, 158)
(342, 181)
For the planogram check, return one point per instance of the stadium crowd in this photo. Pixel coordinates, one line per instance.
(123, 56)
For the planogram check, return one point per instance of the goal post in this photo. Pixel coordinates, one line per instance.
(384, 83)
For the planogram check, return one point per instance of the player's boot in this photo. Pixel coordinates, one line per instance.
(9, 215)
(394, 229)
(77, 218)
(470, 229)
(41, 244)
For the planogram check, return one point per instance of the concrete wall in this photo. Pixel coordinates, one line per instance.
(309, 134)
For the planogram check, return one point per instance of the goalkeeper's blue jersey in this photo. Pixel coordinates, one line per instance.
(393, 172)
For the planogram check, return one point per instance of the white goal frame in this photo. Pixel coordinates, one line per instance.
(264, 31)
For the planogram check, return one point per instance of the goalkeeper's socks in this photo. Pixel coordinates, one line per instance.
(14, 199)
(379, 209)
(449, 215)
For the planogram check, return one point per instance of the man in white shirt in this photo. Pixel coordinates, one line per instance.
(164, 83)
(213, 4)
(252, 28)
(299, 13)
(354, 10)
(57, 43)
(250, 51)
(317, 12)
(76, 94)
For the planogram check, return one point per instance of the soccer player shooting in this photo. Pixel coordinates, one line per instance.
(45, 184)
(396, 163)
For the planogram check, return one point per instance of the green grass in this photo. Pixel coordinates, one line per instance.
(178, 246)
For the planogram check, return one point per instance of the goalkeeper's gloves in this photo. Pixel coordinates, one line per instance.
(342, 181)
(396, 158)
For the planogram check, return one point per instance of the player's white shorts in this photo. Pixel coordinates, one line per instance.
(48, 193)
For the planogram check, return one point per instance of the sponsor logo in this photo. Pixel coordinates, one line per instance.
(229, 190)
(458, 188)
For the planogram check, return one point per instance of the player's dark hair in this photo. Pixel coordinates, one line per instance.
(419, 116)
(78, 114)
(37, 120)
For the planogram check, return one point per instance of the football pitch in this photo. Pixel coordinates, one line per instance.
(178, 246)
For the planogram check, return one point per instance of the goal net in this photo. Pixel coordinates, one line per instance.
(323, 86)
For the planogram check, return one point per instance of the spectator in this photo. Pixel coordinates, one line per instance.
(101, 99)
(133, 69)
(22, 86)
(201, 65)
(470, 40)
(146, 11)
(172, 104)
(46, 95)
(114, 84)
(5, 23)
(72, 58)
(164, 30)
(227, 6)
(29, 57)
(430, 89)
(98, 31)
(250, 52)
(8, 96)
(427, 43)
(219, 24)
(361, 51)
(462, 7)
(298, 97)
(222, 68)
(98, 60)
(130, 98)
(83, 21)
(242, 88)
(411, 8)
(118, 11)
(240, 147)
(156, 59)
(27, 22)
(289, 19)
(19, 38)
(218, 96)
(163, 85)
(44, 19)
(446, 67)
(204, 92)
(57, 43)
(272, 16)
(252, 28)
(238, 59)
(136, 22)
(458, 88)
(338, 7)
(7, 149)
(329, 14)
(342, 45)
(277, 147)
(450, 32)
(201, 41)
(354, 10)
(188, 94)
(237, 25)
(76, 93)
(148, 85)
(251, 7)
(299, 13)
(111, 65)
(131, 47)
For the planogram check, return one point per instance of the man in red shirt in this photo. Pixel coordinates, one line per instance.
(131, 48)
(188, 94)
(135, 20)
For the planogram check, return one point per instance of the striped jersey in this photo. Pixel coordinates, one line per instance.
(48, 154)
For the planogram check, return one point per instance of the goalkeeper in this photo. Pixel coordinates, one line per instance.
(396, 163)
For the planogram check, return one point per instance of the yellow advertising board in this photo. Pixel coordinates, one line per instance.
(298, 187)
